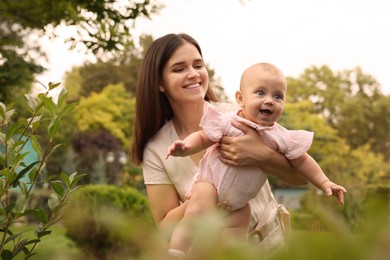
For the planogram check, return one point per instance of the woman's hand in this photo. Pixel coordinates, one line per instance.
(250, 150)
(245, 150)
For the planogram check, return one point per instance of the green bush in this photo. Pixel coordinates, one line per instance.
(21, 175)
(106, 220)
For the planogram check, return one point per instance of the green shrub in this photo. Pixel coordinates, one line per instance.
(20, 178)
(106, 220)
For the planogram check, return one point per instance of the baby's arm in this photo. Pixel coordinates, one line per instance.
(312, 172)
(192, 144)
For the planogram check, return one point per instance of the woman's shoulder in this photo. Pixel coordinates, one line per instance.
(226, 106)
(164, 137)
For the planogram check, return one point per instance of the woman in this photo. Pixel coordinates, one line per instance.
(172, 87)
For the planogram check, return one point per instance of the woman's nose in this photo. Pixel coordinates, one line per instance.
(193, 73)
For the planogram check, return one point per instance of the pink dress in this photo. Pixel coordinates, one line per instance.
(237, 185)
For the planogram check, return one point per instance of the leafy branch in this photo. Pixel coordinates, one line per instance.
(16, 175)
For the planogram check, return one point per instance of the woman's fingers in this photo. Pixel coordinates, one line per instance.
(241, 126)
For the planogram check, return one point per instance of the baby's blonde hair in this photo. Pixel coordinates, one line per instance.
(263, 66)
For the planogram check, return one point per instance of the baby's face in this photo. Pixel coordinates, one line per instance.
(263, 95)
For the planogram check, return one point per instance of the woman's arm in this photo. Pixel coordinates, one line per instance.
(165, 206)
(250, 149)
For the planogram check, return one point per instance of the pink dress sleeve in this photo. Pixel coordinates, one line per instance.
(291, 143)
(212, 122)
(299, 142)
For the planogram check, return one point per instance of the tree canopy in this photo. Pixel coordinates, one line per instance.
(102, 27)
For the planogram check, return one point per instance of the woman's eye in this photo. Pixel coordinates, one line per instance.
(198, 66)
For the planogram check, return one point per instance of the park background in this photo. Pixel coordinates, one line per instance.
(334, 53)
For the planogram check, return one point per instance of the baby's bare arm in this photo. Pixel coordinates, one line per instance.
(313, 173)
(192, 144)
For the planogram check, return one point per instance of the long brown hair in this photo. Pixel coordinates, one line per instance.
(152, 106)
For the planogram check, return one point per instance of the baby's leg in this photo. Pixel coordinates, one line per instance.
(203, 200)
(238, 222)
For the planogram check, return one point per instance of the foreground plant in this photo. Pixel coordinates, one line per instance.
(16, 176)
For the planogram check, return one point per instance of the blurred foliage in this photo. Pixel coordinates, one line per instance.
(350, 101)
(106, 220)
(16, 67)
(324, 235)
(101, 27)
(111, 109)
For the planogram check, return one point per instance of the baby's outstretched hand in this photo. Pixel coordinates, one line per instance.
(178, 148)
(331, 188)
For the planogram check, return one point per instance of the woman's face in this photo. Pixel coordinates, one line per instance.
(185, 77)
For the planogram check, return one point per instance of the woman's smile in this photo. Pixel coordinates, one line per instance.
(194, 85)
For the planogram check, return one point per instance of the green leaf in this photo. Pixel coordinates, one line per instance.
(11, 131)
(6, 254)
(52, 150)
(24, 171)
(50, 105)
(53, 202)
(32, 241)
(12, 237)
(59, 207)
(8, 115)
(19, 247)
(34, 121)
(66, 180)
(7, 174)
(31, 101)
(2, 138)
(39, 213)
(53, 127)
(43, 233)
(20, 203)
(53, 85)
(23, 187)
(17, 144)
(69, 107)
(36, 145)
(62, 97)
(57, 188)
(33, 175)
(75, 179)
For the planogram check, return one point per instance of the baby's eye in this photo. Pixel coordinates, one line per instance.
(260, 93)
(278, 97)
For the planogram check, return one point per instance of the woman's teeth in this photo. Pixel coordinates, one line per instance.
(193, 85)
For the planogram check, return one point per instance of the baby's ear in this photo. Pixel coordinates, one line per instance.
(239, 98)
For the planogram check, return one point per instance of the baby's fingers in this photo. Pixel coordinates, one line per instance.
(338, 192)
(340, 197)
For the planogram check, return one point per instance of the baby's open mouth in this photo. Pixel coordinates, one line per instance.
(265, 111)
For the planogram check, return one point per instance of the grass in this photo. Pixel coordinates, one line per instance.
(54, 246)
